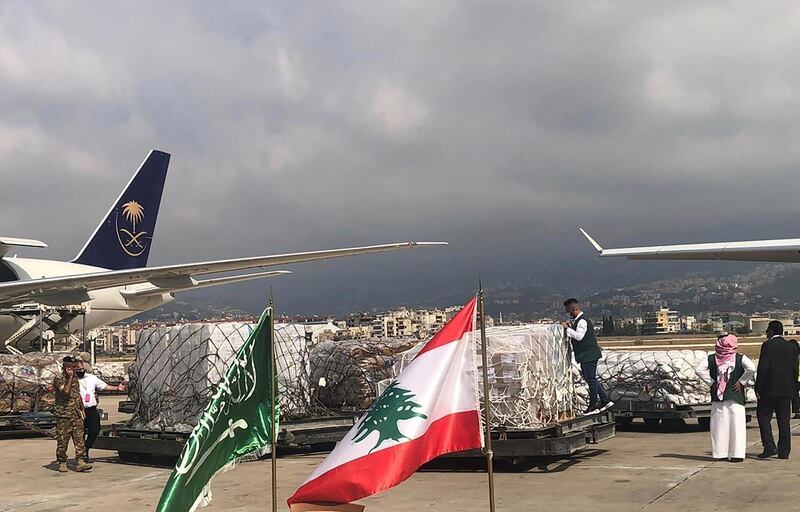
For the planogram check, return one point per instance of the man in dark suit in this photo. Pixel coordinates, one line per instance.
(776, 384)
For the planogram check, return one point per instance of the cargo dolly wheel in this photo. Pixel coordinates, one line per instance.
(624, 421)
(674, 424)
(130, 456)
(652, 423)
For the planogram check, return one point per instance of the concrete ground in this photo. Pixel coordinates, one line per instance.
(637, 470)
(748, 345)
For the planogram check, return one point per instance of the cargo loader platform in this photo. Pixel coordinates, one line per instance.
(43, 423)
(139, 444)
(671, 416)
(521, 449)
(32, 423)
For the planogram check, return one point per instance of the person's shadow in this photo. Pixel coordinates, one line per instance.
(682, 456)
(53, 466)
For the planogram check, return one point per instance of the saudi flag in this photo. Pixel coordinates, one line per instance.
(236, 422)
(429, 410)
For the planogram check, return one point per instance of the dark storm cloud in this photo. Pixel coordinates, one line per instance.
(498, 126)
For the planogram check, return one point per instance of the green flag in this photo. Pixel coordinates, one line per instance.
(235, 423)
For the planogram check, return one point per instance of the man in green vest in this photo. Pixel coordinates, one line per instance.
(580, 332)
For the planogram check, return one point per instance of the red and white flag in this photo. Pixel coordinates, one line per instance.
(429, 410)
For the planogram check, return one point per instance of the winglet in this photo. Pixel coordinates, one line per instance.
(6, 243)
(592, 241)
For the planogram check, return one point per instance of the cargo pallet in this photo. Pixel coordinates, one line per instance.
(670, 415)
(42, 422)
(113, 390)
(139, 444)
(521, 449)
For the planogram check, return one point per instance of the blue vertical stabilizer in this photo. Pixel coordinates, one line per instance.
(123, 238)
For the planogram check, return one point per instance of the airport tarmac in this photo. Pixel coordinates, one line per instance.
(748, 345)
(637, 470)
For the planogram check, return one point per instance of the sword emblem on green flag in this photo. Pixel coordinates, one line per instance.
(235, 423)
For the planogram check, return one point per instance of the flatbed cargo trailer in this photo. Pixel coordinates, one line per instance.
(126, 407)
(40, 422)
(521, 448)
(136, 444)
(672, 416)
(112, 391)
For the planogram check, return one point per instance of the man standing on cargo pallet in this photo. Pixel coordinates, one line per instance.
(587, 353)
(69, 415)
(90, 385)
(776, 384)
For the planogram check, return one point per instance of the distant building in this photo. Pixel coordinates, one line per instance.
(318, 332)
(114, 339)
(623, 300)
(791, 330)
(384, 327)
(689, 323)
(758, 324)
(359, 320)
(406, 323)
(660, 321)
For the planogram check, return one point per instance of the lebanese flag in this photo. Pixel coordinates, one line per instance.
(429, 410)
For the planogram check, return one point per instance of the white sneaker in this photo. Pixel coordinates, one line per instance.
(606, 406)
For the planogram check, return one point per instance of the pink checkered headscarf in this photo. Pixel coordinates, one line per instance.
(725, 356)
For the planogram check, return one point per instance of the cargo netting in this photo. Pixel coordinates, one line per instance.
(668, 376)
(112, 373)
(345, 374)
(25, 378)
(178, 368)
(533, 382)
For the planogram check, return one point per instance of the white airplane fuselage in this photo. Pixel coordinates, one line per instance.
(105, 306)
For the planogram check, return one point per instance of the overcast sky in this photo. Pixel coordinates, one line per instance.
(499, 126)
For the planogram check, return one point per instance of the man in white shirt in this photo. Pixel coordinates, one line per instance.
(90, 384)
(580, 332)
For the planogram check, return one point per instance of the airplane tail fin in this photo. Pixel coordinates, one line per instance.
(122, 239)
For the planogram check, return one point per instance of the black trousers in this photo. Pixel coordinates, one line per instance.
(796, 403)
(782, 408)
(92, 426)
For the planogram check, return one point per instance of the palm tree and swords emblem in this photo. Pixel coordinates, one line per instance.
(134, 243)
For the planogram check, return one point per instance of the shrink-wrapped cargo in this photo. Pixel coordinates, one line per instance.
(24, 380)
(668, 376)
(178, 368)
(345, 374)
(112, 373)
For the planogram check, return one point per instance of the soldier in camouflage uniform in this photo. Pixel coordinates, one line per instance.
(69, 417)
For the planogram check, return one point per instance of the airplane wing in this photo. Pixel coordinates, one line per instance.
(6, 243)
(187, 282)
(785, 250)
(74, 289)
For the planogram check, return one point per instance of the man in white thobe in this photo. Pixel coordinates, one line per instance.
(727, 373)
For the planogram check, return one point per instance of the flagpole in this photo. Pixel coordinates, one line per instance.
(273, 383)
(486, 412)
